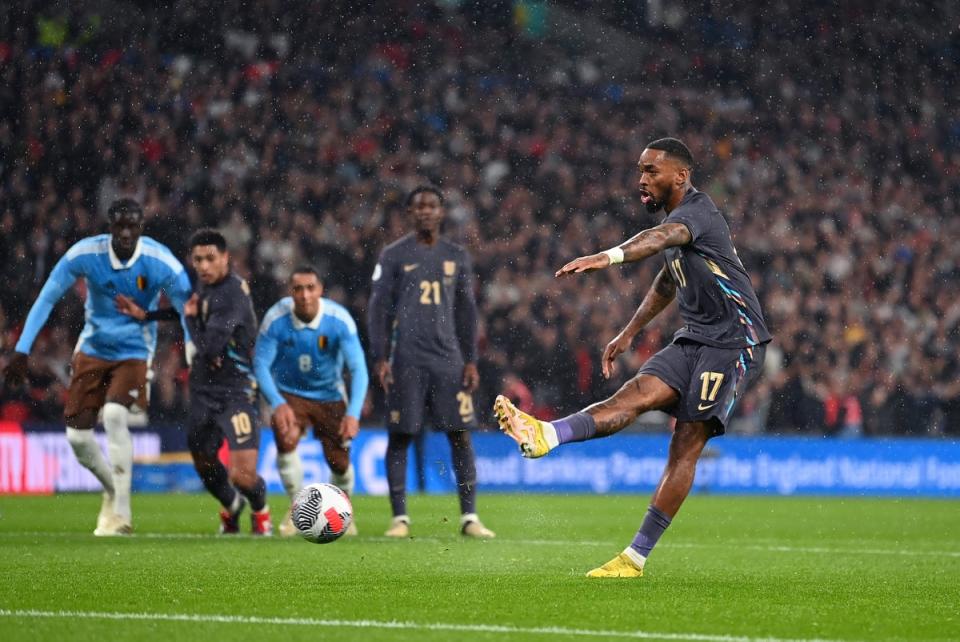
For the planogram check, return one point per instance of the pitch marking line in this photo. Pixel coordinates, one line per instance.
(390, 624)
(549, 542)
(763, 548)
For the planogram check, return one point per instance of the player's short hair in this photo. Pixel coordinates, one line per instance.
(420, 189)
(124, 207)
(208, 236)
(675, 149)
(307, 269)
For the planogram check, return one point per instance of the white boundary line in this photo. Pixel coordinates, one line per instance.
(388, 624)
(763, 548)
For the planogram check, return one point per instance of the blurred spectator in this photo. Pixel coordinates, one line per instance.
(838, 170)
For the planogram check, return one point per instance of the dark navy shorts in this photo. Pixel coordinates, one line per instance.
(211, 420)
(709, 380)
(433, 395)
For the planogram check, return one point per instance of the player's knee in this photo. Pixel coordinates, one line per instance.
(689, 438)
(285, 446)
(84, 420)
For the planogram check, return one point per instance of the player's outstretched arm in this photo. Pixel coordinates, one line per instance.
(658, 297)
(643, 245)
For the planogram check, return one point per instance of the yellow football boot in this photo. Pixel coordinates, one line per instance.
(619, 566)
(527, 431)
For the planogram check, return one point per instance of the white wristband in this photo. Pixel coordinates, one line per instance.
(615, 254)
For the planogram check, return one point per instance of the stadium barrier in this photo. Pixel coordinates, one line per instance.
(42, 462)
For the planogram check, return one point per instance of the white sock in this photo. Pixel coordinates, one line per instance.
(550, 434)
(468, 517)
(344, 481)
(88, 453)
(635, 557)
(120, 449)
(291, 472)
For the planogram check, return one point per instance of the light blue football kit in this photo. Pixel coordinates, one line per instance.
(307, 359)
(109, 334)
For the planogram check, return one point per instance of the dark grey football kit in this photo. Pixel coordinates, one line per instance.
(223, 392)
(424, 294)
(719, 351)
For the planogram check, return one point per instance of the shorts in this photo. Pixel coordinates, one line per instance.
(211, 420)
(422, 393)
(94, 381)
(323, 416)
(709, 380)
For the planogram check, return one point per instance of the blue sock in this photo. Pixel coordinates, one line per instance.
(579, 426)
(654, 523)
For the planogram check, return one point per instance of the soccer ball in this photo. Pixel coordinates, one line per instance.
(321, 513)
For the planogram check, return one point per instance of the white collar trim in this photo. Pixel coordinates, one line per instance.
(116, 263)
(313, 324)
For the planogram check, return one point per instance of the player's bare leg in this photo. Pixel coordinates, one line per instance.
(536, 438)
(244, 477)
(686, 445)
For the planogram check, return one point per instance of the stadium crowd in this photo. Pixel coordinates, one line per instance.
(830, 136)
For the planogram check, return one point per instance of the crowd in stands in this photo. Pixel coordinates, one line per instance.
(829, 135)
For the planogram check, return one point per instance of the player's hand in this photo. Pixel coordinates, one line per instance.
(15, 373)
(349, 427)
(617, 346)
(126, 305)
(585, 264)
(191, 306)
(285, 420)
(471, 377)
(384, 374)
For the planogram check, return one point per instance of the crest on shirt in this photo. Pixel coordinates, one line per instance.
(322, 342)
(141, 282)
(449, 268)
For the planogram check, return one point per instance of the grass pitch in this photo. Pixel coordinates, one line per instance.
(728, 569)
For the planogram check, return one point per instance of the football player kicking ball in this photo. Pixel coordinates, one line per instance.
(303, 344)
(700, 376)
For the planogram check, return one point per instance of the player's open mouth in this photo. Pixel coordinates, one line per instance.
(645, 196)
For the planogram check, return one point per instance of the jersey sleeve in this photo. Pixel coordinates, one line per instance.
(264, 354)
(223, 318)
(357, 364)
(466, 310)
(178, 290)
(696, 218)
(63, 275)
(382, 303)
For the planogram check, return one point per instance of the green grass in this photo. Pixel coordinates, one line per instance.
(728, 568)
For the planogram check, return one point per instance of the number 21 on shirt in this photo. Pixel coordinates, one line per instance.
(430, 292)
